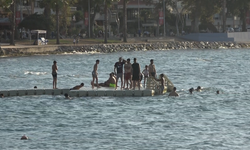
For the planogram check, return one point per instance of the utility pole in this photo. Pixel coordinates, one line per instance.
(57, 24)
(164, 22)
(125, 21)
(89, 16)
(106, 21)
(138, 13)
(12, 41)
(224, 16)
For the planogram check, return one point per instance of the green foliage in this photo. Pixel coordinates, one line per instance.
(78, 15)
(36, 21)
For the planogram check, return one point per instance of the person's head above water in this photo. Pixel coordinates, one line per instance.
(198, 88)
(191, 90)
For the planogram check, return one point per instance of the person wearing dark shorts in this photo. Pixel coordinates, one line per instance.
(54, 74)
(118, 68)
(136, 74)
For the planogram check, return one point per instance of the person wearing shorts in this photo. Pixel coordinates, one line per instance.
(136, 74)
(94, 74)
(54, 74)
(145, 73)
(118, 68)
(151, 68)
(127, 74)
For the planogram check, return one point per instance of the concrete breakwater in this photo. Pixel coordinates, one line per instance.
(116, 47)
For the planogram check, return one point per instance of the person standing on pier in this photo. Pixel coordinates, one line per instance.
(127, 74)
(94, 74)
(118, 69)
(151, 68)
(54, 74)
(136, 74)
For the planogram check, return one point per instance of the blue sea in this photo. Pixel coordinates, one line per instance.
(199, 121)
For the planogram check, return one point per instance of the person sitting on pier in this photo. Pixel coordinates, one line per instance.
(173, 93)
(77, 87)
(109, 83)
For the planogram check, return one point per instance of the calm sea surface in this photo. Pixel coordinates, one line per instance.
(202, 120)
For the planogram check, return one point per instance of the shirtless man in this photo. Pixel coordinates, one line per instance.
(173, 93)
(151, 68)
(77, 87)
(136, 75)
(94, 74)
(111, 80)
(127, 73)
(145, 73)
(118, 69)
(162, 80)
(54, 74)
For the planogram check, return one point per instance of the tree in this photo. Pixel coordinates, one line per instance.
(36, 21)
(125, 20)
(239, 8)
(201, 10)
(59, 6)
(10, 7)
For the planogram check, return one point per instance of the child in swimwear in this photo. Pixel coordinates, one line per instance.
(145, 73)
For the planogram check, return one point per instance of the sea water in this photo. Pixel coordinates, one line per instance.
(203, 120)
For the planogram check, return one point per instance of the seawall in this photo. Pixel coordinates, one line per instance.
(117, 47)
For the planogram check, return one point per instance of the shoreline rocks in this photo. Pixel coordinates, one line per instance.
(119, 47)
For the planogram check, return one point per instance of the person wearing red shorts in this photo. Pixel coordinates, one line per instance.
(127, 73)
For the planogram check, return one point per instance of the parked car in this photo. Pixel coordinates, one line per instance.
(146, 33)
(237, 29)
(230, 29)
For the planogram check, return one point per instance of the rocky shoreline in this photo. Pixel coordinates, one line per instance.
(119, 47)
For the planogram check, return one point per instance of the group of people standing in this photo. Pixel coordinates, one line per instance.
(129, 74)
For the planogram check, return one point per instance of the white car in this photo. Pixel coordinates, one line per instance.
(230, 29)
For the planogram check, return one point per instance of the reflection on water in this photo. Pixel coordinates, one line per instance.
(203, 120)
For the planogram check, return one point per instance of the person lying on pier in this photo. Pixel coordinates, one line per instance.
(173, 93)
(77, 87)
(109, 83)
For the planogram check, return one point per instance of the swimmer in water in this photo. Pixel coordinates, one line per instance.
(67, 96)
(191, 90)
(174, 93)
(198, 89)
(1, 95)
(218, 92)
(24, 137)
